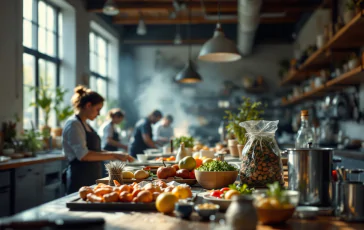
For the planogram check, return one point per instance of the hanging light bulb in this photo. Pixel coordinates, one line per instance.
(188, 74)
(142, 29)
(110, 8)
(219, 48)
(177, 38)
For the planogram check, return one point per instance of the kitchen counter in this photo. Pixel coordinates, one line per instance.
(155, 220)
(41, 158)
(355, 155)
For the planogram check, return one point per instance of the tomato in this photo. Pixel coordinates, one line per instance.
(216, 193)
(192, 175)
(224, 189)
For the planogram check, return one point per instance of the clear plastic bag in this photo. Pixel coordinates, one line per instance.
(261, 157)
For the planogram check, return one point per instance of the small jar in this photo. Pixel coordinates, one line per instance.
(241, 213)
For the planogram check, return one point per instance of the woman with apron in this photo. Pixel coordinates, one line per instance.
(109, 133)
(82, 145)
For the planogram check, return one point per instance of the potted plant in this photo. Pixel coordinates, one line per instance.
(248, 110)
(44, 102)
(31, 141)
(62, 111)
(349, 12)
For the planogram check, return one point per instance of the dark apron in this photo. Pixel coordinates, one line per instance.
(85, 173)
(115, 137)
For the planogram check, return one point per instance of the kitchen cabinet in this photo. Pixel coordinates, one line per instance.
(5, 207)
(28, 187)
(52, 182)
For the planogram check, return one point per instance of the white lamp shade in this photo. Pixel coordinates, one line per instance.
(177, 39)
(110, 8)
(219, 48)
(142, 29)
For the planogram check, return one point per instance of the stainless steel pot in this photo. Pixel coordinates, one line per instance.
(352, 203)
(309, 172)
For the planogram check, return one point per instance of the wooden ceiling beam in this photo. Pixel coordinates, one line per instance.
(196, 20)
(226, 7)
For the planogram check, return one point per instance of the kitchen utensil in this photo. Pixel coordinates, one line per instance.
(309, 172)
(352, 201)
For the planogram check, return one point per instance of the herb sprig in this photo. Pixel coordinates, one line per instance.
(242, 189)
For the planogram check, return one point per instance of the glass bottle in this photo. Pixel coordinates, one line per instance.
(305, 134)
(181, 152)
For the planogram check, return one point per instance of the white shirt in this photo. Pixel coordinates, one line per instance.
(74, 139)
(106, 131)
(161, 131)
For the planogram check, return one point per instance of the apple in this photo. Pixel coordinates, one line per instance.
(192, 175)
(163, 172)
(172, 171)
(184, 173)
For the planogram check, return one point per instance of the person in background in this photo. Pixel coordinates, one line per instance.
(81, 144)
(109, 131)
(142, 137)
(163, 131)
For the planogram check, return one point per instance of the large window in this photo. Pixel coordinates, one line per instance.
(99, 64)
(42, 55)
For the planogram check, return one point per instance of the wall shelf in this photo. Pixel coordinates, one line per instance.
(347, 38)
(353, 77)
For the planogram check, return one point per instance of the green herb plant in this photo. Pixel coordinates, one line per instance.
(188, 141)
(32, 140)
(216, 166)
(62, 111)
(275, 190)
(242, 189)
(43, 100)
(248, 110)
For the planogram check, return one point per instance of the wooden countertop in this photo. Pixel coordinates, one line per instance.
(155, 220)
(42, 158)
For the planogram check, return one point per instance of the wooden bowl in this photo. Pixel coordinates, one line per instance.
(214, 180)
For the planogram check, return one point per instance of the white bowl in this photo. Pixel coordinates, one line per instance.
(223, 203)
(142, 157)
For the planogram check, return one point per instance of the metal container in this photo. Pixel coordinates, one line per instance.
(309, 172)
(352, 203)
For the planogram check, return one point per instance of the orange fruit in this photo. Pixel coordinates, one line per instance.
(165, 202)
(145, 197)
(135, 192)
(198, 162)
(182, 191)
(125, 197)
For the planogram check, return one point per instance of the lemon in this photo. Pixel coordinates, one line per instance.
(229, 194)
(165, 202)
(128, 175)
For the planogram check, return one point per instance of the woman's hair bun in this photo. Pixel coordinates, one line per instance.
(81, 90)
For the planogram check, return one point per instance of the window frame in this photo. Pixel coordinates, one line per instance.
(97, 76)
(34, 51)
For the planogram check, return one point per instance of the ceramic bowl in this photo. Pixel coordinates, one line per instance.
(183, 209)
(204, 212)
(223, 203)
(142, 157)
(215, 180)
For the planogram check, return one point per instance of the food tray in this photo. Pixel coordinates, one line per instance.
(81, 205)
(105, 180)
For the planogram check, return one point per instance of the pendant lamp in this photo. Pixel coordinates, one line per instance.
(177, 39)
(110, 8)
(188, 74)
(141, 29)
(219, 48)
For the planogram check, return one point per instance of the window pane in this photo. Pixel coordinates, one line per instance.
(51, 37)
(60, 24)
(42, 13)
(93, 84)
(93, 62)
(101, 46)
(42, 41)
(51, 75)
(28, 9)
(50, 18)
(27, 34)
(42, 71)
(28, 97)
(101, 87)
(102, 66)
(92, 42)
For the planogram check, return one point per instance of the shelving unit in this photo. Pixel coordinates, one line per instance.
(349, 37)
(353, 77)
